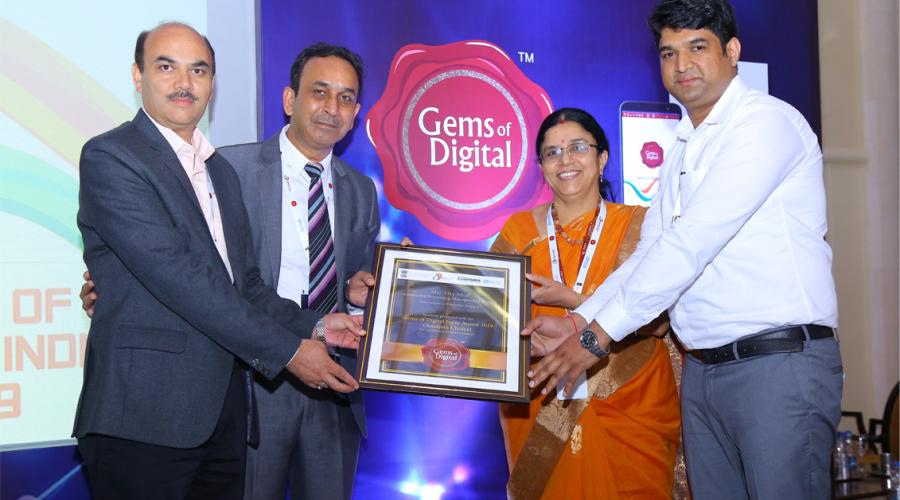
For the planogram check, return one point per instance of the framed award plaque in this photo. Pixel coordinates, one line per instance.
(446, 322)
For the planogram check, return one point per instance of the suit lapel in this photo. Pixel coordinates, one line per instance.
(228, 211)
(270, 192)
(343, 201)
(172, 165)
(169, 159)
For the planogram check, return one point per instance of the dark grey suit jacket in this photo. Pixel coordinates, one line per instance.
(164, 339)
(356, 223)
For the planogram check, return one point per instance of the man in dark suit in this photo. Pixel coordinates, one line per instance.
(309, 438)
(165, 408)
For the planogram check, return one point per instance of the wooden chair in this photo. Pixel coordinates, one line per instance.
(888, 426)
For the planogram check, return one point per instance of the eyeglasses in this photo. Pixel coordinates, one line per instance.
(551, 155)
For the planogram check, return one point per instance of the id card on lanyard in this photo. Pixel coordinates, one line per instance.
(589, 247)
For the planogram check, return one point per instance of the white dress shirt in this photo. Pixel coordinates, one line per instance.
(746, 251)
(293, 276)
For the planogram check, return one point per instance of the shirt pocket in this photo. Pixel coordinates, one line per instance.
(688, 184)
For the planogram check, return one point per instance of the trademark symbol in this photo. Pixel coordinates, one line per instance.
(526, 57)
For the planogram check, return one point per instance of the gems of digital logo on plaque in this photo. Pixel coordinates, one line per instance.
(447, 322)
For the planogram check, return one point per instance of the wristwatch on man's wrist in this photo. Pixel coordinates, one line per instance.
(589, 341)
(318, 332)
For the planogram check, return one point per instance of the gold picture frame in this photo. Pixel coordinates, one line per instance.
(446, 322)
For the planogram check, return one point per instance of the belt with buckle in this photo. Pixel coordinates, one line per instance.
(787, 339)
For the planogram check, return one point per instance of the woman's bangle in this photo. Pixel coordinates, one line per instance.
(574, 325)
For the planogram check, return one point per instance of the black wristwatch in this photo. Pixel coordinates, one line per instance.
(589, 342)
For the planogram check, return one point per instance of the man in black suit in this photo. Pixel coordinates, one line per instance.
(165, 408)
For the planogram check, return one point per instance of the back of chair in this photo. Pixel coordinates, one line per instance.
(892, 423)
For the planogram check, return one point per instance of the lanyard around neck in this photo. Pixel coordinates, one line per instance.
(588, 256)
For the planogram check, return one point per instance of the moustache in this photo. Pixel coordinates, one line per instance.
(327, 120)
(182, 94)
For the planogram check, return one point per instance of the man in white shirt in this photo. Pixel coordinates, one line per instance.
(733, 247)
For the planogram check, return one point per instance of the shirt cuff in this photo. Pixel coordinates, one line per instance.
(294, 356)
(614, 320)
(589, 308)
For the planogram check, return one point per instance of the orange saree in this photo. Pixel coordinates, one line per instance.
(623, 441)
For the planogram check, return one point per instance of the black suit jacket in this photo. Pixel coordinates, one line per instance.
(164, 337)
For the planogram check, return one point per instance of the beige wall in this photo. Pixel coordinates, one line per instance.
(858, 60)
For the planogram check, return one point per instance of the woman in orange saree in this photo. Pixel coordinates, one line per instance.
(622, 440)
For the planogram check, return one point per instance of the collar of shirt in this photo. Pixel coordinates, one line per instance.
(721, 110)
(293, 161)
(199, 145)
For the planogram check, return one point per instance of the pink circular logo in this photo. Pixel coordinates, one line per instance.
(445, 355)
(652, 154)
(453, 131)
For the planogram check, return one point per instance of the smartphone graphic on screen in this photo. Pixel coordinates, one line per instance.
(647, 130)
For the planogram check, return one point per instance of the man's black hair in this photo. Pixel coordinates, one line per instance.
(715, 15)
(322, 49)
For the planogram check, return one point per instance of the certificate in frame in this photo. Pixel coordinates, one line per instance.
(446, 322)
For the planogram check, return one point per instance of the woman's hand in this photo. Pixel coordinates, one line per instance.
(552, 293)
(548, 332)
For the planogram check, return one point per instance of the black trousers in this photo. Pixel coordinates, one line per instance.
(120, 468)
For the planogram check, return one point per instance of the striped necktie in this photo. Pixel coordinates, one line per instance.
(322, 270)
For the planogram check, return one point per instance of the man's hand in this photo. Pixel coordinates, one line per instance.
(552, 293)
(315, 368)
(88, 295)
(343, 330)
(358, 288)
(565, 363)
(548, 332)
